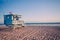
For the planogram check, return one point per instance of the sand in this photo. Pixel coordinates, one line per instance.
(30, 33)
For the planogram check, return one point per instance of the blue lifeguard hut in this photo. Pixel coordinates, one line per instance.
(13, 20)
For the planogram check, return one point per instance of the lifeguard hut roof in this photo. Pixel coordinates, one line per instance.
(14, 14)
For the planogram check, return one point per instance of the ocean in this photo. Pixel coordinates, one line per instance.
(39, 24)
(42, 24)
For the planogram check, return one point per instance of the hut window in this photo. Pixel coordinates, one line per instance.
(8, 17)
(12, 17)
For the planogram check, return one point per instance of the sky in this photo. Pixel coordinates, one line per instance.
(32, 10)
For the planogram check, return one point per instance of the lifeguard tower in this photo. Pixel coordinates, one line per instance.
(13, 20)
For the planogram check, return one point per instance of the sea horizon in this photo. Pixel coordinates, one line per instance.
(39, 24)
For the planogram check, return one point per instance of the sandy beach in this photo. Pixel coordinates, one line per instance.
(30, 33)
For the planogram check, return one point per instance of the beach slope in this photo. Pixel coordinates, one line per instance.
(30, 33)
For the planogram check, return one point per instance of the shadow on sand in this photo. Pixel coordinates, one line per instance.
(6, 29)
